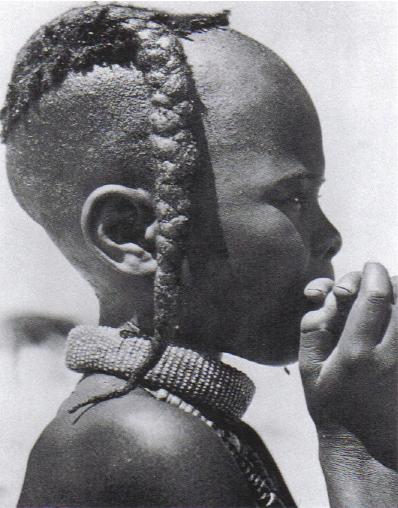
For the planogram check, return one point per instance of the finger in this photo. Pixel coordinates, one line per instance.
(323, 318)
(347, 287)
(317, 290)
(317, 333)
(315, 348)
(346, 290)
(388, 348)
(367, 319)
(394, 283)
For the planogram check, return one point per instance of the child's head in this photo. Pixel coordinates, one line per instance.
(83, 146)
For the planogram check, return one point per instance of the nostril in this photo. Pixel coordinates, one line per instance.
(334, 247)
(331, 252)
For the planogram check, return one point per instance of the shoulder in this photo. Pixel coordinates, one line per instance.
(133, 451)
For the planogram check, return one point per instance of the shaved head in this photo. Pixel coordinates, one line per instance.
(90, 131)
(93, 129)
(257, 234)
(246, 81)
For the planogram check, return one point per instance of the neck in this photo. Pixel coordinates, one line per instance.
(117, 306)
(114, 315)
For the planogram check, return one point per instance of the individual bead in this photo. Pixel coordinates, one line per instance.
(161, 394)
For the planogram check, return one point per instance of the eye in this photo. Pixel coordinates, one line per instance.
(298, 199)
(294, 196)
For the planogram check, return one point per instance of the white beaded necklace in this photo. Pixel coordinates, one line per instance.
(185, 379)
(247, 459)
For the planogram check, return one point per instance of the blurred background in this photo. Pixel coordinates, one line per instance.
(345, 53)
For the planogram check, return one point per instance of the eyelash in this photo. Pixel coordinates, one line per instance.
(295, 198)
(300, 199)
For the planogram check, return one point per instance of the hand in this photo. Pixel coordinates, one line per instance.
(349, 356)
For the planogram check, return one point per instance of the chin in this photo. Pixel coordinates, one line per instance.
(278, 349)
(276, 354)
(274, 344)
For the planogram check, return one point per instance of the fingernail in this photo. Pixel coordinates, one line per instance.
(372, 262)
(314, 291)
(344, 289)
(371, 266)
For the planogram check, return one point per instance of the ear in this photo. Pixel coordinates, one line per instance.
(119, 224)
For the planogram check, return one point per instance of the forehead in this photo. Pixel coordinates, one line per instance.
(255, 106)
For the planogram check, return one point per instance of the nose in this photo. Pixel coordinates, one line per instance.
(327, 240)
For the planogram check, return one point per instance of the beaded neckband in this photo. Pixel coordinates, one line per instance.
(206, 383)
(183, 378)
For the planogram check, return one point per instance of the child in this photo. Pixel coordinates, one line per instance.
(177, 164)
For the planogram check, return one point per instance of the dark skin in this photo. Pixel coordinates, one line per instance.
(352, 337)
(131, 451)
(348, 362)
(267, 163)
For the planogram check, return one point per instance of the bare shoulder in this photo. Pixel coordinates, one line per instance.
(132, 451)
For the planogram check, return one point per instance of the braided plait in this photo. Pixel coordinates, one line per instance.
(84, 37)
(175, 154)
(149, 40)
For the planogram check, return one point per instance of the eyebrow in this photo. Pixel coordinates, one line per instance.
(300, 174)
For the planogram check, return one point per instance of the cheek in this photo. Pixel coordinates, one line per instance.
(266, 249)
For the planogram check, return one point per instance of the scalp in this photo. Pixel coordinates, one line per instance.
(243, 83)
(93, 127)
(82, 134)
(93, 130)
(98, 119)
(90, 131)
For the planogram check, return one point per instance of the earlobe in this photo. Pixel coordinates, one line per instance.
(119, 224)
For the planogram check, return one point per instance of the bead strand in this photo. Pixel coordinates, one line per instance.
(246, 458)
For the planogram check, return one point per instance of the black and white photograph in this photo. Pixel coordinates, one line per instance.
(199, 255)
